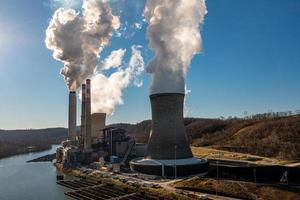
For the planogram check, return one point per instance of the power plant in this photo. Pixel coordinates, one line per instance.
(167, 154)
(96, 142)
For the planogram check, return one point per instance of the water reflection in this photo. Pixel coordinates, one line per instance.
(29, 181)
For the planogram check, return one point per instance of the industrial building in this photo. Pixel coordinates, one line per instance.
(96, 141)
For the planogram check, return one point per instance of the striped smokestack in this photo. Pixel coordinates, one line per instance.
(88, 134)
(72, 116)
(83, 110)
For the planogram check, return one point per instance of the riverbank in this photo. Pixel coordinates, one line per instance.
(46, 158)
(14, 150)
(18, 142)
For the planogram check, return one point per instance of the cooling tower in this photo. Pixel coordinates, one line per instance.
(83, 121)
(168, 152)
(168, 130)
(88, 121)
(98, 123)
(72, 116)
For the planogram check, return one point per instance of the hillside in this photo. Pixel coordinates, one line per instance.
(271, 137)
(14, 142)
(275, 137)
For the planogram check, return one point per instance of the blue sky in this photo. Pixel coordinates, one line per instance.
(250, 62)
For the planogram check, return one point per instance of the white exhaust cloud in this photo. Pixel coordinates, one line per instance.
(65, 3)
(107, 92)
(174, 35)
(114, 60)
(77, 39)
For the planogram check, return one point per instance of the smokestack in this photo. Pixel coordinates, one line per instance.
(83, 110)
(87, 139)
(72, 116)
(98, 123)
(168, 131)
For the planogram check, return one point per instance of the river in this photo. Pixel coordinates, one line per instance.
(29, 181)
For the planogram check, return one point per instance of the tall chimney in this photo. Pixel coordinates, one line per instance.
(72, 116)
(98, 123)
(88, 134)
(168, 131)
(83, 110)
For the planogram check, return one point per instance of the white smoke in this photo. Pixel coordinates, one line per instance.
(77, 39)
(106, 92)
(138, 26)
(174, 35)
(136, 65)
(186, 109)
(114, 60)
(65, 3)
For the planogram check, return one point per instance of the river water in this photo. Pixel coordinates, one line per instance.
(29, 181)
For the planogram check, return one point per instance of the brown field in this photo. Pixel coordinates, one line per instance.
(236, 189)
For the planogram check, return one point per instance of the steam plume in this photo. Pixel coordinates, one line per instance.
(77, 40)
(114, 60)
(107, 91)
(174, 35)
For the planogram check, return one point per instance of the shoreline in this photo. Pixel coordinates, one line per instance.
(37, 150)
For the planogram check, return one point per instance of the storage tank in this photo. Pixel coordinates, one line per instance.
(98, 124)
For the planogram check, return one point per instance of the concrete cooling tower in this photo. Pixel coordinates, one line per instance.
(168, 152)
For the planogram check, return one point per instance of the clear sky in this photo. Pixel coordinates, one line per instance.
(250, 62)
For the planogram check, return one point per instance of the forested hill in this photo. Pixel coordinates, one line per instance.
(14, 142)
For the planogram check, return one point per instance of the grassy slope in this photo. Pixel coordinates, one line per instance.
(279, 138)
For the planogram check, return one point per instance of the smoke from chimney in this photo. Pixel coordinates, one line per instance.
(77, 40)
(106, 92)
(174, 35)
